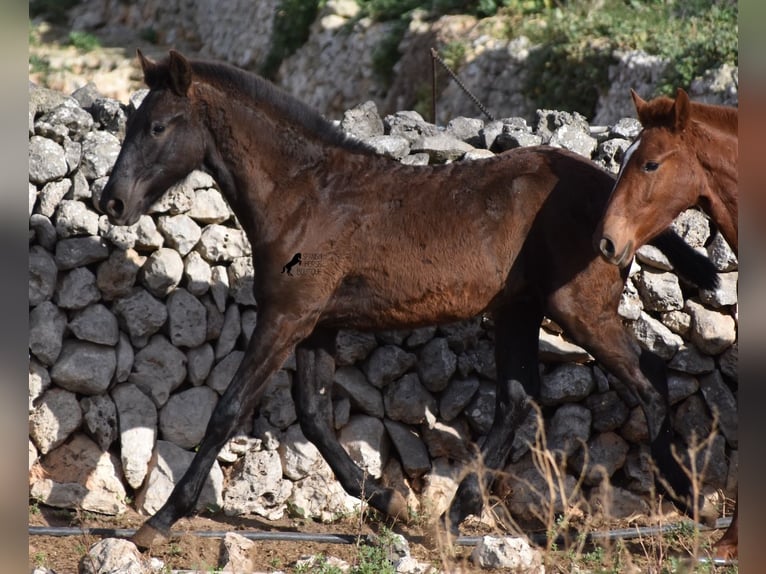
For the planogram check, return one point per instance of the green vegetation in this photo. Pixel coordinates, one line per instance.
(83, 41)
(292, 21)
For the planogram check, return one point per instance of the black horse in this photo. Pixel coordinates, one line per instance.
(400, 247)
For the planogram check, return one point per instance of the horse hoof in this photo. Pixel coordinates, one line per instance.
(725, 552)
(397, 507)
(145, 536)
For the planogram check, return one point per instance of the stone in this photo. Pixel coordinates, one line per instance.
(184, 418)
(141, 315)
(655, 336)
(80, 251)
(456, 397)
(51, 197)
(722, 404)
(39, 381)
(46, 332)
(507, 552)
(100, 419)
(353, 346)
(42, 232)
(137, 417)
(681, 386)
(436, 364)
(256, 486)
(569, 428)
(181, 233)
(450, 440)
(95, 324)
(219, 287)
(219, 244)
(712, 332)
(241, 275)
(114, 555)
(47, 160)
(84, 368)
(566, 383)
(167, 465)
(690, 360)
(230, 331)
(187, 319)
(235, 551)
(606, 454)
(724, 295)
(158, 369)
(411, 449)
(221, 374)
(407, 401)
(77, 289)
(362, 121)
(42, 275)
(277, 403)
(99, 152)
(386, 364)
(55, 418)
(73, 218)
(208, 206)
(125, 358)
(77, 120)
(362, 395)
(80, 475)
(199, 362)
(197, 274)
(365, 440)
(117, 275)
(608, 410)
(162, 272)
(300, 458)
(480, 411)
(441, 147)
(659, 291)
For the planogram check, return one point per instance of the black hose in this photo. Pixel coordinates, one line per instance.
(537, 538)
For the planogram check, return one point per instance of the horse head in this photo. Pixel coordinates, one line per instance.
(658, 179)
(163, 141)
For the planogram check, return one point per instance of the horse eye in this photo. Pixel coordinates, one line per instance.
(651, 166)
(157, 129)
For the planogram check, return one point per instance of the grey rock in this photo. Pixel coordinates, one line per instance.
(47, 324)
(79, 475)
(681, 386)
(456, 397)
(219, 287)
(480, 359)
(712, 332)
(80, 251)
(141, 315)
(199, 362)
(162, 271)
(142, 235)
(507, 552)
(649, 255)
(241, 274)
(125, 358)
(566, 383)
(610, 153)
(209, 206)
(692, 420)
(73, 219)
(627, 128)
(100, 419)
(436, 364)
(99, 152)
(569, 428)
(277, 404)
(659, 291)
(187, 319)
(678, 322)
(299, 457)
(221, 374)
(721, 254)
(638, 469)
(77, 289)
(395, 147)
(725, 294)
(158, 369)
(353, 346)
(556, 349)
(181, 233)
(450, 440)
(96, 324)
(420, 336)
(362, 121)
(235, 553)
(412, 451)
(55, 418)
(42, 275)
(635, 429)
(689, 360)
(408, 124)
(466, 129)
(111, 115)
(197, 274)
(606, 454)
(117, 275)
(630, 306)
(256, 486)
(218, 243)
(184, 418)
(417, 159)
(167, 465)
(386, 364)
(84, 367)
(137, 418)
(655, 336)
(249, 321)
(693, 226)
(39, 381)
(441, 147)
(608, 410)
(77, 121)
(723, 404)
(47, 160)
(52, 195)
(367, 443)
(362, 395)
(406, 400)
(114, 555)
(43, 230)
(728, 362)
(480, 411)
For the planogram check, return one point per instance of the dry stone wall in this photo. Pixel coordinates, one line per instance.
(135, 332)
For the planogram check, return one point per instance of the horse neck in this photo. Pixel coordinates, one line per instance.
(716, 149)
(268, 167)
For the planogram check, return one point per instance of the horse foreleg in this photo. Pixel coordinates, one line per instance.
(517, 326)
(312, 391)
(271, 343)
(602, 333)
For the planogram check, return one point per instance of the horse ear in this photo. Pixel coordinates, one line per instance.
(639, 102)
(180, 73)
(682, 109)
(149, 68)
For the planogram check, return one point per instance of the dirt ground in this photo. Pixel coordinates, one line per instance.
(187, 552)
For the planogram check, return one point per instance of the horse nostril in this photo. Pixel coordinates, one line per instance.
(607, 247)
(115, 207)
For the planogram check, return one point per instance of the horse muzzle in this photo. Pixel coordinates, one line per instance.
(608, 250)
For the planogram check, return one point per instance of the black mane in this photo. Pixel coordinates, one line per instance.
(262, 92)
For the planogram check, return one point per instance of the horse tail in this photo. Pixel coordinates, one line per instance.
(688, 263)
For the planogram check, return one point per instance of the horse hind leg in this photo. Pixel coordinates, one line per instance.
(312, 392)
(727, 547)
(517, 325)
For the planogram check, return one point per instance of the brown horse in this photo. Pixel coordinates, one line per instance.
(685, 156)
(396, 246)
